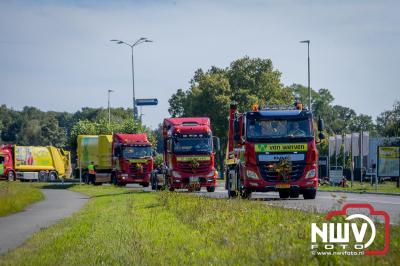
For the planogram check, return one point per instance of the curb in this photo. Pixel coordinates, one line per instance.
(354, 192)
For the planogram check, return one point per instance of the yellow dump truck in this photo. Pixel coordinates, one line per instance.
(36, 163)
(96, 149)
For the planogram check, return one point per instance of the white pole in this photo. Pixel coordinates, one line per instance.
(361, 157)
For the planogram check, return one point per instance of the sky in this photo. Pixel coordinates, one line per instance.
(57, 55)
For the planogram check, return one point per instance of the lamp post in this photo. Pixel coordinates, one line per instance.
(308, 57)
(131, 45)
(109, 110)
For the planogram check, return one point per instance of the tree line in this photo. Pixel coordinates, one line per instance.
(246, 81)
(251, 81)
(31, 126)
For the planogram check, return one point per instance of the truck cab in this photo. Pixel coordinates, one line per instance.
(273, 150)
(6, 163)
(189, 154)
(132, 159)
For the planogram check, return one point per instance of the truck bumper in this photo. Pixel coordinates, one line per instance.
(260, 185)
(186, 182)
(134, 179)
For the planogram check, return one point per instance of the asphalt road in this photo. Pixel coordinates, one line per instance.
(58, 203)
(324, 202)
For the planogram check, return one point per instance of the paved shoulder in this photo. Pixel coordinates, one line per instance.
(58, 203)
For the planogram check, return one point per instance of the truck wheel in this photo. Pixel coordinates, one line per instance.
(42, 176)
(53, 176)
(11, 176)
(232, 194)
(310, 194)
(210, 189)
(145, 184)
(245, 193)
(171, 189)
(284, 193)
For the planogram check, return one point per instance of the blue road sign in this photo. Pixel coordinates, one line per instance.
(141, 102)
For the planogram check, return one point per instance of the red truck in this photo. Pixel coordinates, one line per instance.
(132, 160)
(189, 154)
(6, 163)
(273, 149)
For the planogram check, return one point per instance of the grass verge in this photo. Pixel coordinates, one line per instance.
(387, 187)
(124, 227)
(15, 196)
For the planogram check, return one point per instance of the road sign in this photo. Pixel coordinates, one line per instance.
(141, 102)
(335, 175)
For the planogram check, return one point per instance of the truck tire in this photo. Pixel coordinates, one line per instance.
(232, 194)
(11, 176)
(171, 189)
(145, 184)
(53, 176)
(284, 193)
(309, 194)
(43, 176)
(210, 189)
(197, 189)
(245, 193)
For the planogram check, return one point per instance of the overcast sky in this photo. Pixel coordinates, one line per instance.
(56, 55)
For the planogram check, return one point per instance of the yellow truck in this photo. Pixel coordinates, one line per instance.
(96, 149)
(35, 162)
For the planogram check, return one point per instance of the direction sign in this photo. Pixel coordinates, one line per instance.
(141, 102)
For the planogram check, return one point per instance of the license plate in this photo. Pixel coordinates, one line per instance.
(193, 179)
(283, 186)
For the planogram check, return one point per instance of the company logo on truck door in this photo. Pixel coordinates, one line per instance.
(188, 159)
(281, 147)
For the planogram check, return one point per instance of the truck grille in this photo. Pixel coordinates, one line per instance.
(187, 167)
(270, 175)
(134, 170)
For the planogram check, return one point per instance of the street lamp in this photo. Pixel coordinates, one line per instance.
(308, 56)
(109, 110)
(139, 41)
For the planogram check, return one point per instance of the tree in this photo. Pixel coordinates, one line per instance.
(177, 103)
(388, 122)
(52, 134)
(246, 81)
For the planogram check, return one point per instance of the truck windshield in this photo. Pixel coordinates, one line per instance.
(136, 152)
(192, 145)
(264, 129)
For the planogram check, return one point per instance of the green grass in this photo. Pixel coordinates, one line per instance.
(387, 187)
(15, 196)
(125, 227)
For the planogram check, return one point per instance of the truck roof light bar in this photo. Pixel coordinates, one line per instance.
(282, 107)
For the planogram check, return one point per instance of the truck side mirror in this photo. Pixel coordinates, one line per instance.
(216, 143)
(154, 153)
(117, 150)
(321, 125)
(321, 135)
(236, 130)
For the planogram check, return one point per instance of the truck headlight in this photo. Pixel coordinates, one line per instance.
(176, 174)
(251, 174)
(213, 173)
(311, 173)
